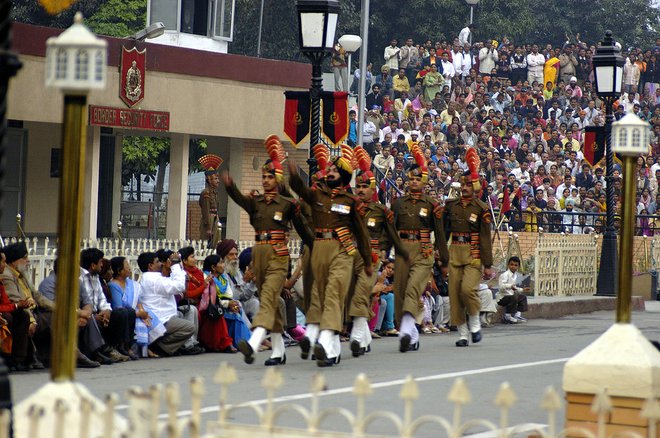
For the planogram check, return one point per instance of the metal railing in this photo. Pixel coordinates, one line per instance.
(35, 417)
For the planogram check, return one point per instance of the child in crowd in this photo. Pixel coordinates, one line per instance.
(510, 295)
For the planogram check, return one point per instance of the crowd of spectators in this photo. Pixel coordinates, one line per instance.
(525, 108)
(174, 309)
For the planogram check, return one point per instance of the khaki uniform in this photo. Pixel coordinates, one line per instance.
(209, 202)
(382, 234)
(270, 219)
(469, 224)
(416, 217)
(340, 232)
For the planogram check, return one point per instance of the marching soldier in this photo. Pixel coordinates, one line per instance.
(338, 227)
(416, 217)
(209, 200)
(270, 215)
(468, 220)
(383, 235)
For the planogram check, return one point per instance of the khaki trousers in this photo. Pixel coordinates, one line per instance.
(362, 286)
(270, 271)
(333, 269)
(307, 277)
(464, 278)
(410, 280)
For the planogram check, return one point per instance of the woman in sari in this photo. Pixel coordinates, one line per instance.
(126, 293)
(224, 295)
(433, 82)
(213, 330)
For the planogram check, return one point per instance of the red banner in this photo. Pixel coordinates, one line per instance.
(128, 118)
(594, 144)
(297, 116)
(132, 75)
(335, 116)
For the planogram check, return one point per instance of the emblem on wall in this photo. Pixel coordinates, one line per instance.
(132, 75)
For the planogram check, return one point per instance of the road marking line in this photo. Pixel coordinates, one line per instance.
(347, 389)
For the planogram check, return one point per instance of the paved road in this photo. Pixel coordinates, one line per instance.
(530, 357)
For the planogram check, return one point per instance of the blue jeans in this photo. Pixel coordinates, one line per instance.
(386, 312)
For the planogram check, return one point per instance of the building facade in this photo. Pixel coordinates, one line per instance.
(232, 101)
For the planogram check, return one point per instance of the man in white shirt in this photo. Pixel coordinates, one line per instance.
(448, 70)
(384, 161)
(158, 295)
(510, 294)
(487, 58)
(535, 63)
(392, 55)
(465, 35)
(522, 173)
(118, 326)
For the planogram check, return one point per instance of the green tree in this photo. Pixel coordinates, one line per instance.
(146, 158)
(119, 18)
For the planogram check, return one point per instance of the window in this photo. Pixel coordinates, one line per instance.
(166, 11)
(195, 17)
(98, 73)
(223, 24)
(636, 141)
(60, 64)
(623, 138)
(82, 65)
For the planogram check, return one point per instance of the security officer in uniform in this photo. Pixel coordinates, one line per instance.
(270, 215)
(209, 200)
(340, 232)
(416, 217)
(383, 235)
(468, 220)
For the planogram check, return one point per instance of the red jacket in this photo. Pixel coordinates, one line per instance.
(6, 306)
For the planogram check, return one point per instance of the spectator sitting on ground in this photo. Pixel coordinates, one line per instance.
(510, 295)
(19, 288)
(158, 294)
(126, 293)
(213, 330)
(117, 327)
(488, 308)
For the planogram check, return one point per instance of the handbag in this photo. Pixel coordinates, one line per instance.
(214, 311)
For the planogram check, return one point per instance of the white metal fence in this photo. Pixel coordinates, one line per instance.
(146, 417)
(565, 264)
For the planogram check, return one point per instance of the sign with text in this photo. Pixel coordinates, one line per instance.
(129, 118)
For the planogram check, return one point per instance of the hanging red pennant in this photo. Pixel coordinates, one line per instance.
(297, 116)
(594, 144)
(335, 116)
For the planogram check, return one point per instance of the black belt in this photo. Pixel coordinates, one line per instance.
(326, 235)
(409, 236)
(461, 239)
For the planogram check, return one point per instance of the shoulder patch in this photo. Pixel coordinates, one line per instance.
(486, 216)
(438, 210)
(389, 215)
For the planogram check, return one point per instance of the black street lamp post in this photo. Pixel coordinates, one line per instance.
(608, 74)
(317, 24)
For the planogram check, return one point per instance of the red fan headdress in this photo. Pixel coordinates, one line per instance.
(277, 155)
(472, 175)
(344, 163)
(322, 156)
(211, 163)
(362, 161)
(419, 168)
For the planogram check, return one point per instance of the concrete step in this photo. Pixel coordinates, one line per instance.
(557, 307)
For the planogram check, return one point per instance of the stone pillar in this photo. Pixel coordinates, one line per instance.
(91, 183)
(236, 170)
(116, 182)
(625, 366)
(177, 195)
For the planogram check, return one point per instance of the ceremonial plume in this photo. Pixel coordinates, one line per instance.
(277, 155)
(420, 169)
(211, 163)
(474, 163)
(362, 161)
